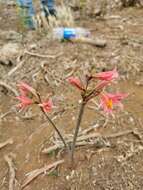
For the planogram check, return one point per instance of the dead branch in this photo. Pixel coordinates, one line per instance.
(84, 140)
(7, 86)
(51, 149)
(9, 141)
(35, 173)
(59, 146)
(119, 134)
(11, 172)
(138, 135)
(42, 56)
(98, 42)
(85, 131)
(19, 65)
(6, 114)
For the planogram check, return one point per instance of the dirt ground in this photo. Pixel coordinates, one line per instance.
(115, 161)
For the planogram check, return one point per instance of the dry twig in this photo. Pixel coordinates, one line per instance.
(98, 42)
(42, 56)
(19, 65)
(35, 173)
(79, 140)
(9, 141)
(84, 140)
(7, 86)
(9, 161)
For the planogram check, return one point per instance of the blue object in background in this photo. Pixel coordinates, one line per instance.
(26, 13)
(48, 7)
(49, 3)
(69, 33)
(27, 4)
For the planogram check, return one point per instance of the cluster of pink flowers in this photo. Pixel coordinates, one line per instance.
(107, 100)
(26, 92)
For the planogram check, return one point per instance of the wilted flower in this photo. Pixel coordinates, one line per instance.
(75, 81)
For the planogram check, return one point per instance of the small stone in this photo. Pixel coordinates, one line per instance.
(139, 83)
(94, 171)
(131, 119)
(8, 53)
(33, 46)
(97, 12)
(67, 177)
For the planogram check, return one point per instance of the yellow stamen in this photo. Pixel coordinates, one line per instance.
(109, 104)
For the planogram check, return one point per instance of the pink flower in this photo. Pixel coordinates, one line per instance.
(108, 101)
(108, 75)
(24, 101)
(75, 82)
(47, 106)
(25, 89)
(101, 85)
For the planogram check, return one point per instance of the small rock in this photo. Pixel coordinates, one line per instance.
(9, 50)
(94, 171)
(97, 12)
(8, 53)
(33, 46)
(131, 119)
(67, 177)
(100, 43)
(139, 83)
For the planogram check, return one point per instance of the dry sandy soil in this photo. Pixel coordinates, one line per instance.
(114, 162)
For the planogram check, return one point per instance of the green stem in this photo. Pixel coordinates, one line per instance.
(81, 111)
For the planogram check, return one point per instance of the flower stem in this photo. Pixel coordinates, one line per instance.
(81, 111)
(53, 124)
(56, 129)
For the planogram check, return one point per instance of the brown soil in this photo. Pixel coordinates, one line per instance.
(117, 167)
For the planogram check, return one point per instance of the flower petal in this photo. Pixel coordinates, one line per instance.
(47, 105)
(109, 101)
(75, 81)
(102, 84)
(24, 101)
(25, 89)
(108, 75)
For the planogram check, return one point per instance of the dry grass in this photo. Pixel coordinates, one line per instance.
(64, 17)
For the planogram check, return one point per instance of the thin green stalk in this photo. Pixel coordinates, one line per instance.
(81, 111)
